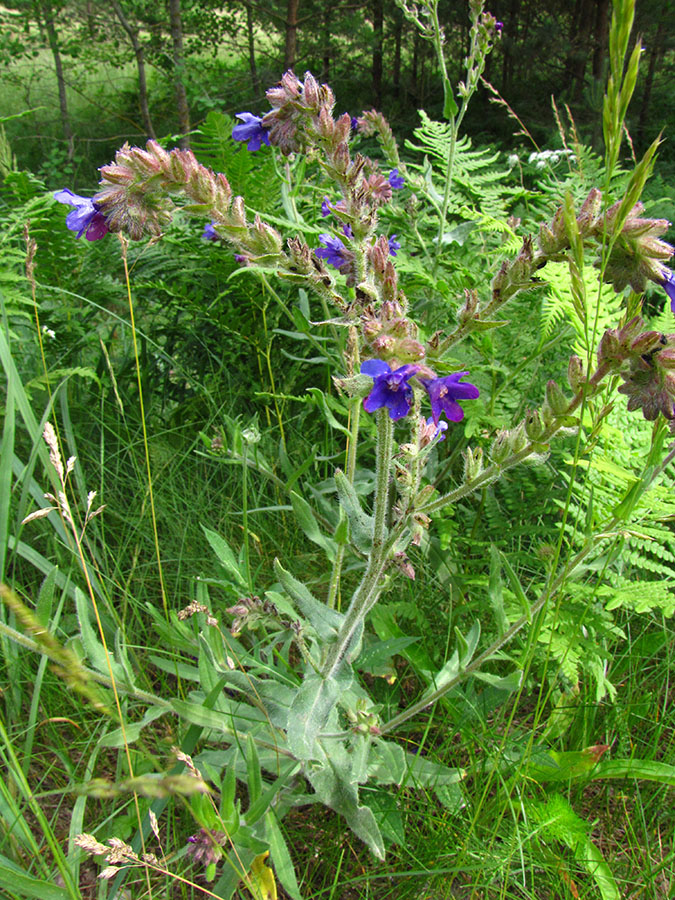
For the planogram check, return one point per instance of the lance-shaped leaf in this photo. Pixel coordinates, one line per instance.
(335, 789)
(361, 525)
(324, 620)
(315, 701)
(307, 521)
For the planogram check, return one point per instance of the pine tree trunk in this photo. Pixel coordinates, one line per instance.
(656, 51)
(291, 45)
(378, 35)
(251, 47)
(140, 67)
(47, 12)
(398, 37)
(178, 73)
(326, 42)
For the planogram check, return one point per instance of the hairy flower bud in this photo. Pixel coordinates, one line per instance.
(473, 463)
(500, 450)
(556, 400)
(587, 218)
(576, 375)
(534, 427)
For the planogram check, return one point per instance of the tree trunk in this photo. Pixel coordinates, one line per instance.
(47, 12)
(398, 37)
(291, 45)
(655, 54)
(251, 47)
(600, 38)
(378, 33)
(140, 67)
(326, 42)
(178, 73)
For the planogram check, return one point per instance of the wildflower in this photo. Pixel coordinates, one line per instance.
(499, 27)
(394, 245)
(354, 125)
(669, 286)
(444, 394)
(390, 389)
(395, 180)
(210, 233)
(326, 207)
(333, 250)
(440, 429)
(85, 218)
(251, 130)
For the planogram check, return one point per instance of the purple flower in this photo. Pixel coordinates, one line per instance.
(333, 251)
(395, 180)
(210, 233)
(498, 27)
(326, 207)
(354, 125)
(444, 394)
(394, 245)
(441, 428)
(390, 389)
(252, 130)
(347, 231)
(85, 218)
(669, 287)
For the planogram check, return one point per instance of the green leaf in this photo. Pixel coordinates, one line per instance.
(283, 864)
(132, 730)
(324, 620)
(309, 712)
(427, 773)
(322, 403)
(334, 789)
(361, 525)
(387, 763)
(15, 880)
(647, 769)
(226, 558)
(305, 516)
(102, 662)
(254, 777)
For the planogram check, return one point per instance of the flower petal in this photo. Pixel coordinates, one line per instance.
(375, 367)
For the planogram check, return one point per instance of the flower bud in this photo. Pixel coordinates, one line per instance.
(517, 438)
(533, 425)
(473, 463)
(576, 375)
(588, 215)
(470, 307)
(500, 450)
(556, 400)
(647, 341)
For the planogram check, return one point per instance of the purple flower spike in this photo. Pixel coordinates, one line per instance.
(669, 287)
(210, 233)
(395, 180)
(333, 250)
(252, 130)
(394, 245)
(444, 394)
(85, 218)
(390, 389)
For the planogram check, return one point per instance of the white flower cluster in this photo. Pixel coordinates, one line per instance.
(549, 158)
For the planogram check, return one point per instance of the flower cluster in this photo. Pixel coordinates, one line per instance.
(86, 218)
(392, 390)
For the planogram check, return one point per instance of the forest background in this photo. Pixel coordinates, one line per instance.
(86, 76)
(207, 425)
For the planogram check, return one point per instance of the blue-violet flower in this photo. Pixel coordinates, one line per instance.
(390, 389)
(326, 207)
(333, 251)
(669, 287)
(395, 180)
(251, 130)
(85, 218)
(441, 427)
(394, 245)
(444, 394)
(210, 233)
